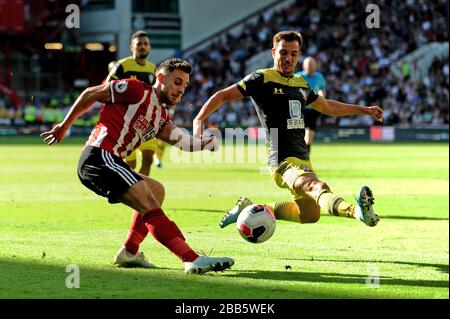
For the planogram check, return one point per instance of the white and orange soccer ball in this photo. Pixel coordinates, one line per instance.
(256, 223)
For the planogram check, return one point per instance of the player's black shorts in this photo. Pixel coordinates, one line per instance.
(105, 174)
(311, 117)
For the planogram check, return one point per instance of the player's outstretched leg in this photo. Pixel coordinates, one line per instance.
(204, 264)
(364, 211)
(231, 216)
(167, 233)
(125, 259)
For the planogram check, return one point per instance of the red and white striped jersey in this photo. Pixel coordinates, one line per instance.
(134, 115)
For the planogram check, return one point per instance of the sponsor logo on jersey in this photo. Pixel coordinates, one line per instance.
(121, 86)
(278, 91)
(149, 134)
(297, 123)
(141, 123)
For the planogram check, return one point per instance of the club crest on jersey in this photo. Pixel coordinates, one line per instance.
(149, 134)
(295, 109)
(121, 86)
(303, 92)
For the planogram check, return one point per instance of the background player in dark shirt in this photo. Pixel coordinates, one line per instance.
(279, 97)
(135, 66)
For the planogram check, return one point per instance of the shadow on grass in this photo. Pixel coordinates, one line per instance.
(42, 278)
(336, 278)
(439, 267)
(413, 217)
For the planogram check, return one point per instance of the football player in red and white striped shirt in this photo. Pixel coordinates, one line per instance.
(133, 112)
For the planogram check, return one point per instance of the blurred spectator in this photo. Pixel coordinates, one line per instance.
(46, 109)
(357, 59)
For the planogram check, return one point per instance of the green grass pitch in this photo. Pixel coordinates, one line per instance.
(48, 220)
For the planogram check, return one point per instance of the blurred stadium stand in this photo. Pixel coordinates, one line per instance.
(402, 66)
(356, 61)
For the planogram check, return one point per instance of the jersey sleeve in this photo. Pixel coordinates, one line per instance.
(166, 115)
(312, 96)
(165, 119)
(128, 91)
(116, 72)
(249, 85)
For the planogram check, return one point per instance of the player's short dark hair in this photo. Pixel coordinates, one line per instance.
(139, 34)
(288, 36)
(172, 64)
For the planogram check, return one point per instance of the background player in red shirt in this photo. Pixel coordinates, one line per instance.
(133, 112)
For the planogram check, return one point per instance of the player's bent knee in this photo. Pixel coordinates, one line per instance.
(306, 183)
(160, 193)
(156, 188)
(140, 197)
(318, 188)
(320, 185)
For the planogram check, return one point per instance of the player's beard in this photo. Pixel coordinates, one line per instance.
(287, 69)
(164, 98)
(142, 55)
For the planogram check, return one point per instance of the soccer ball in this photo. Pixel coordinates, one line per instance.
(256, 223)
